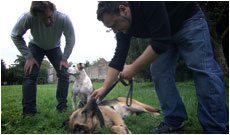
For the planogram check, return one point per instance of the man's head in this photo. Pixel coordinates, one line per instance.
(115, 15)
(44, 10)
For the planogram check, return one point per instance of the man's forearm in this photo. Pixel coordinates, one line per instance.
(70, 38)
(67, 51)
(70, 41)
(111, 77)
(21, 46)
(17, 33)
(147, 57)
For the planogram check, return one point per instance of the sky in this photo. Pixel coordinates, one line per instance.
(92, 40)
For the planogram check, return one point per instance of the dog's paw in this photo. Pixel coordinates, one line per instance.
(81, 104)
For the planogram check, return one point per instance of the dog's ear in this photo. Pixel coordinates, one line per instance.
(80, 66)
(91, 107)
(65, 122)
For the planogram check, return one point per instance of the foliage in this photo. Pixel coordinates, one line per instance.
(49, 120)
(3, 72)
(217, 13)
(87, 64)
(14, 74)
(16, 71)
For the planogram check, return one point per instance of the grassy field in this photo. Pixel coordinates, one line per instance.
(49, 120)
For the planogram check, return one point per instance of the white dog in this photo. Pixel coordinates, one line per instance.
(82, 86)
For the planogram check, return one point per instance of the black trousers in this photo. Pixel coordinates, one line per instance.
(29, 85)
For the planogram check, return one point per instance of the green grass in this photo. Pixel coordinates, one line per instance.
(49, 120)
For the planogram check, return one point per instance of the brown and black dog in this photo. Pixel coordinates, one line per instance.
(108, 113)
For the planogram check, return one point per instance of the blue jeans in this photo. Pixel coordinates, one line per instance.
(29, 85)
(193, 43)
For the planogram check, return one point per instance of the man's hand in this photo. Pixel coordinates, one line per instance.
(110, 78)
(147, 57)
(128, 72)
(63, 63)
(99, 92)
(29, 65)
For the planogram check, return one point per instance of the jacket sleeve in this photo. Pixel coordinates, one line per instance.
(70, 38)
(121, 52)
(156, 18)
(22, 25)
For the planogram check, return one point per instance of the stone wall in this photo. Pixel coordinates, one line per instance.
(98, 70)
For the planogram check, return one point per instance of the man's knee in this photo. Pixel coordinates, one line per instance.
(32, 76)
(62, 74)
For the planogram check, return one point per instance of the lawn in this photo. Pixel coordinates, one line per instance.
(49, 120)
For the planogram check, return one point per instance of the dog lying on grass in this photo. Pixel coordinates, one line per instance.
(108, 113)
(82, 86)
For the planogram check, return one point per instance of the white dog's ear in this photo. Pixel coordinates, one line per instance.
(80, 66)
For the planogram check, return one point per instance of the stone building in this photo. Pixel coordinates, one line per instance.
(98, 70)
(52, 75)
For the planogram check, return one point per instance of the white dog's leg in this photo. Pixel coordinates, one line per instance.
(81, 104)
(88, 98)
(73, 101)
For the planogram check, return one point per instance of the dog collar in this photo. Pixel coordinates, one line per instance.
(100, 117)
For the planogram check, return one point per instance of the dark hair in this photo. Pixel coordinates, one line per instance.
(109, 7)
(41, 7)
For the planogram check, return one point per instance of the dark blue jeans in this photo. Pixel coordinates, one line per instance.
(193, 43)
(29, 85)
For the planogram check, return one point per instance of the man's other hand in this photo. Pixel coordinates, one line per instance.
(29, 65)
(64, 63)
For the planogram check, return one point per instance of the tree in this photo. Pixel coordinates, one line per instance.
(87, 64)
(217, 13)
(16, 71)
(4, 74)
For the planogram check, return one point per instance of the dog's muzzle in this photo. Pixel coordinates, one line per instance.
(79, 129)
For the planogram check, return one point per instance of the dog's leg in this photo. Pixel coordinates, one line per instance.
(121, 129)
(88, 98)
(149, 108)
(81, 104)
(145, 107)
(73, 101)
(119, 126)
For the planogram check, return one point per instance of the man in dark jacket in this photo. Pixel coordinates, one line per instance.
(174, 28)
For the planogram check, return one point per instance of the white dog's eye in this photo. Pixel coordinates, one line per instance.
(73, 65)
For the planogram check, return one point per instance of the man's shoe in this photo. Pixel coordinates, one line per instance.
(62, 110)
(164, 128)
